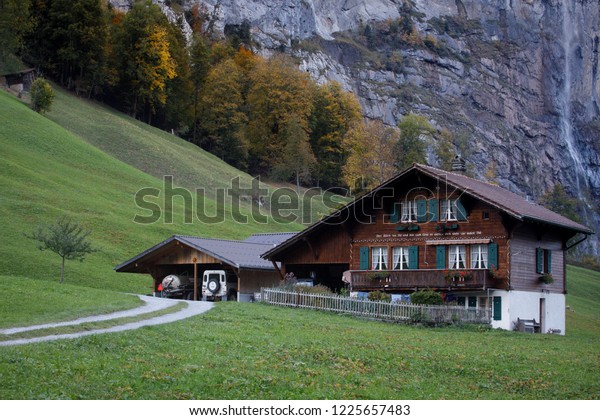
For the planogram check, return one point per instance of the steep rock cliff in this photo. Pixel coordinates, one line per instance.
(516, 81)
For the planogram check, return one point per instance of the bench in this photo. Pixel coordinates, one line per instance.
(528, 325)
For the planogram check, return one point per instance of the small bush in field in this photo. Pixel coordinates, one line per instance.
(42, 95)
(319, 289)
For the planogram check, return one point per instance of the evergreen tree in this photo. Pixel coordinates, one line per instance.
(42, 95)
(15, 23)
(560, 202)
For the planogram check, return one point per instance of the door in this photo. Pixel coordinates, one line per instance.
(542, 314)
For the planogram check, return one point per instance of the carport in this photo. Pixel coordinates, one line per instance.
(191, 256)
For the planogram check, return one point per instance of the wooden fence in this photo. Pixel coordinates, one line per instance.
(396, 311)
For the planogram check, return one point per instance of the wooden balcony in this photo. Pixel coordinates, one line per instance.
(421, 279)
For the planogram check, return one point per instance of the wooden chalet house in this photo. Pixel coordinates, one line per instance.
(479, 244)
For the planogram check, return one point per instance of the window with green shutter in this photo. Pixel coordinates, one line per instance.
(364, 257)
(433, 210)
(493, 255)
(539, 260)
(461, 213)
(421, 210)
(395, 213)
(413, 257)
(440, 257)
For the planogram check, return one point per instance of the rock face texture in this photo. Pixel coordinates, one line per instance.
(516, 81)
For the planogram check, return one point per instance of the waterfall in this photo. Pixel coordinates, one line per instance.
(569, 40)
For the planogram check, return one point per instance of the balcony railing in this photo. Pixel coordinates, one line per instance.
(420, 279)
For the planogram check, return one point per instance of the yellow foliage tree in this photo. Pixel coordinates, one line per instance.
(371, 160)
(154, 66)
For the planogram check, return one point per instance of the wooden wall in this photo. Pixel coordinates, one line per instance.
(523, 246)
(252, 280)
(382, 232)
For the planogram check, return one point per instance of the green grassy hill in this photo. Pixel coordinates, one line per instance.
(47, 171)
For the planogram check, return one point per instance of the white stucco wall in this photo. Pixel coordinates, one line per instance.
(526, 305)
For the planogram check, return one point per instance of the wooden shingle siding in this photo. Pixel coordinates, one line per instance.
(524, 248)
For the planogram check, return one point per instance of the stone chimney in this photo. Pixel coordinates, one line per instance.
(459, 164)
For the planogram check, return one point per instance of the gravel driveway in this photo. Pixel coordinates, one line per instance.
(152, 304)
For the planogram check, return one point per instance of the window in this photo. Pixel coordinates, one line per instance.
(479, 256)
(543, 261)
(485, 215)
(401, 258)
(409, 211)
(457, 257)
(379, 258)
(448, 210)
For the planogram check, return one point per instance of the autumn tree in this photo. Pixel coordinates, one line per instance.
(145, 62)
(223, 120)
(415, 133)
(298, 160)
(278, 93)
(371, 146)
(334, 113)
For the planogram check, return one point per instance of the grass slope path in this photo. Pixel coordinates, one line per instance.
(152, 305)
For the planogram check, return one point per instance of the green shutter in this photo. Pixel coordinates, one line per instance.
(460, 210)
(413, 257)
(539, 260)
(394, 215)
(433, 210)
(549, 262)
(497, 308)
(493, 255)
(440, 257)
(421, 211)
(364, 257)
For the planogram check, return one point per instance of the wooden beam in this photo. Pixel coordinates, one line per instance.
(315, 254)
(277, 269)
(195, 278)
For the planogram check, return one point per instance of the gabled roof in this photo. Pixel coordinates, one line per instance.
(270, 238)
(238, 254)
(504, 200)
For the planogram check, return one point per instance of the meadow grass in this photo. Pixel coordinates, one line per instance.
(255, 351)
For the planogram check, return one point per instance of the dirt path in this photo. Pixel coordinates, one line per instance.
(152, 305)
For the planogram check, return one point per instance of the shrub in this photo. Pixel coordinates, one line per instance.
(42, 95)
(319, 289)
(547, 278)
(426, 297)
(378, 295)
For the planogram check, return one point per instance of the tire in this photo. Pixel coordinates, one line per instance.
(213, 286)
(189, 296)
